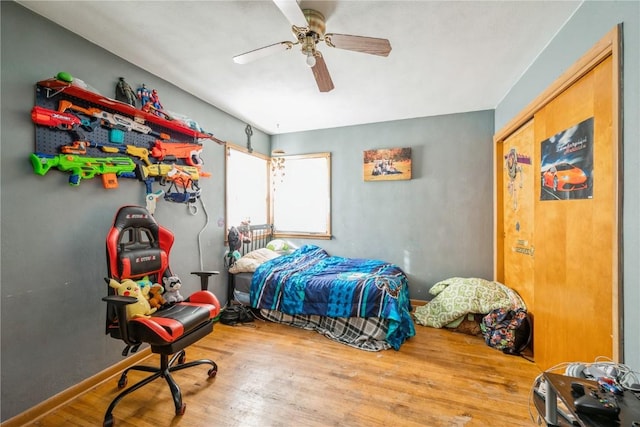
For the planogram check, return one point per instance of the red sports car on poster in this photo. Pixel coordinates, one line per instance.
(564, 177)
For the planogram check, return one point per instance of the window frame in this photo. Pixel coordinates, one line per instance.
(325, 235)
(267, 159)
(271, 185)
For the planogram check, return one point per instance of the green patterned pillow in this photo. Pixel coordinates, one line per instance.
(457, 297)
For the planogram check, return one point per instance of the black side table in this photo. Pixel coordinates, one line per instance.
(559, 386)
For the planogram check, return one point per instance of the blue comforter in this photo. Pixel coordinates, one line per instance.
(309, 281)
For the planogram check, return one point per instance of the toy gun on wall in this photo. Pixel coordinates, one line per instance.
(54, 119)
(63, 121)
(181, 177)
(80, 147)
(115, 122)
(189, 152)
(163, 171)
(84, 167)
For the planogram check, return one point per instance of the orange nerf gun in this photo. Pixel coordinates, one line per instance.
(189, 152)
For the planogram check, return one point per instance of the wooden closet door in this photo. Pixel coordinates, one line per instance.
(518, 190)
(576, 238)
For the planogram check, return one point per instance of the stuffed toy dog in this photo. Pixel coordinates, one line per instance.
(172, 287)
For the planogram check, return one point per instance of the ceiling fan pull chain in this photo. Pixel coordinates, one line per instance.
(249, 131)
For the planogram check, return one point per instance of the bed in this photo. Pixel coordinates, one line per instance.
(363, 303)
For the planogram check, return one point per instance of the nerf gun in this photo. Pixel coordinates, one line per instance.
(164, 171)
(54, 119)
(116, 122)
(181, 180)
(84, 167)
(63, 121)
(151, 199)
(189, 152)
(180, 177)
(80, 147)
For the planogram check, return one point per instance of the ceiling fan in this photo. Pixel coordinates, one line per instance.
(308, 26)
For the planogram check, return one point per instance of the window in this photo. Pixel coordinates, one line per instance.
(302, 195)
(292, 192)
(247, 187)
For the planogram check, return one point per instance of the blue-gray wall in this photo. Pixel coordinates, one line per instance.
(588, 25)
(436, 225)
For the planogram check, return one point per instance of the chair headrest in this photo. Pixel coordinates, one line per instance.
(135, 216)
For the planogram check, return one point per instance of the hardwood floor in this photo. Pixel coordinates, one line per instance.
(275, 375)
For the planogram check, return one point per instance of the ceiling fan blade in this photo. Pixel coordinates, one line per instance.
(291, 10)
(321, 74)
(371, 45)
(261, 52)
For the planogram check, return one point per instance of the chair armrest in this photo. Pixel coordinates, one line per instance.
(120, 300)
(204, 278)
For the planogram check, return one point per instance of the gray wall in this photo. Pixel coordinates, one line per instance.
(588, 25)
(438, 224)
(53, 236)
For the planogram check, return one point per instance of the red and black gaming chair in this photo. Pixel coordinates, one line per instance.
(138, 246)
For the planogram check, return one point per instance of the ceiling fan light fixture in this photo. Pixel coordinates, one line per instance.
(309, 48)
(309, 35)
(311, 59)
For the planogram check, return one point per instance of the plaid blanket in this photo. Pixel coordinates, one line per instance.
(365, 334)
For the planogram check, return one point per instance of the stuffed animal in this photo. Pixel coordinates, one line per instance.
(172, 287)
(144, 282)
(156, 300)
(131, 289)
(245, 231)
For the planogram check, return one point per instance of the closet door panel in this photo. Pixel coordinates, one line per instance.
(576, 246)
(518, 190)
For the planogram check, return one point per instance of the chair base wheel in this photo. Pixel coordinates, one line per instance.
(182, 409)
(122, 383)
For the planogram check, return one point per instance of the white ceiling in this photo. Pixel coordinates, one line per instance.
(447, 56)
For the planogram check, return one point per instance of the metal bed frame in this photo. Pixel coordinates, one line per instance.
(259, 236)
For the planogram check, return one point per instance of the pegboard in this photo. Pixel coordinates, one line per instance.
(49, 140)
(100, 139)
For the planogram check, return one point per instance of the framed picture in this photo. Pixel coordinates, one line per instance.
(389, 164)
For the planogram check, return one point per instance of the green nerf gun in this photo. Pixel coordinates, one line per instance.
(84, 167)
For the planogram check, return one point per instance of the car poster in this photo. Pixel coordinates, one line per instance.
(566, 164)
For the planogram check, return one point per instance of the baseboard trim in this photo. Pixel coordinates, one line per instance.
(54, 402)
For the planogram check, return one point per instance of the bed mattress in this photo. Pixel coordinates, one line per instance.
(242, 288)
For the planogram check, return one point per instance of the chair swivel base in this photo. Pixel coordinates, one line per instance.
(164, 370)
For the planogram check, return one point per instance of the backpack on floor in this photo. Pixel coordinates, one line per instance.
(507, 330)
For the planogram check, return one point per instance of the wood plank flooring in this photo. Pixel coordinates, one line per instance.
(275, 375)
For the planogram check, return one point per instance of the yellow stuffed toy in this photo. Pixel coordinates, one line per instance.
(129, 288)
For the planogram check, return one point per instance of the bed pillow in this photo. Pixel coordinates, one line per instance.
(249, 262)
(278, 245)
